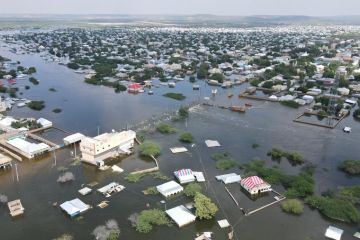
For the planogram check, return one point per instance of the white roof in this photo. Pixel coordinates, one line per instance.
(74, 207)
(73, 138)
(108, 187)
(85, 191)
(28, 147)
(223, 177)
(44, 122)
(178, 149)
(212, 143)
(7, 121)
(224, 223)
(199, 176)
(171, 186)
(181, 215)
(333, 233)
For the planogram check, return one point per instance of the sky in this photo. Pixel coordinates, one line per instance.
(183, 7)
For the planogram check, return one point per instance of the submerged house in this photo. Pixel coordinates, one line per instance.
(74, 207)
(28, 149)
(181, 215)
(169, 188)
(255, 185)
(184, 176)
(96, 150)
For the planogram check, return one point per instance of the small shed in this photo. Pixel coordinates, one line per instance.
(15, 208)
(85, 191)
(169, 188)
(199, 176)
(184, 176)
(212, 143)
(178, 149)
(181, 215)
(334, 233)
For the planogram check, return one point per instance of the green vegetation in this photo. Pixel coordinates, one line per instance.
(205, 208)
(72, 65)
(351, 167)
(147, 219)
(333, 208)
(292, 206)
(226, 164)
(57, 110)
(34, 81)
(149, 148)
(27, 87)
(221, 156)
(183, 112)
(52, 90)
(294, 158)
(351, 193)
(218, 77)
(186, 137)
(290, 103)
(31, 70)
(36, 105)
(28, 124)
(176, 96)
(135, 177)
(119, 87)
(255, 145)
(203, 71)
(191, 189)
(165, 128)
(151, 191)
(301, 185)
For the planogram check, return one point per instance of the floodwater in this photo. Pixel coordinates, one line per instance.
(86, 107)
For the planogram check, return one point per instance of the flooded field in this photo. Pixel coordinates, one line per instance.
(87, 108)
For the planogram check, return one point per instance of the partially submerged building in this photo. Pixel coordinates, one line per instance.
(184, 176)
(255, 185)
(74, 207)
(169, 188)
(28, 149)
(181, 215)
(96, 150)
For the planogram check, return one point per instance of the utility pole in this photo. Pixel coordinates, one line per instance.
(74, 150)
(54, 158)
(16, 171)
(98, 128)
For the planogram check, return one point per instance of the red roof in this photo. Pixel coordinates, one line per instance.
(183, 172)
(135, 86)
(252, 182)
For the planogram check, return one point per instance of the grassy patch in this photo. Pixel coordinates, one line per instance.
(147, 219)
(292, 206)
(226, 164)
(351, 167)
(36, 105)
(186, 137)
(57, 110)
(294, 158)
(149, 148)
(176, 96)
(34, 81)
(165, 128)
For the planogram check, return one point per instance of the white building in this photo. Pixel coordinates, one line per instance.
(169, 188)
(29, 149)
(255, 185)
(44, 122)
(184, 176)
(97, 149)
(334, 233)
(77, 137)
(229, 178)
(181, 215)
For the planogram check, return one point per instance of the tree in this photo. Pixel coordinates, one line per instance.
(292, 206)
(149, 148)
(186, 137)
(191, 189)
(145, 221)
(183, 112)
(218, 77)
(203, 71)
(205, 208)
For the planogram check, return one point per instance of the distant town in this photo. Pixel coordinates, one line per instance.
(143, 131)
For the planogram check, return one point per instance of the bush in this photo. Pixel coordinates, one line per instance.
(149, 148)
(151, 191)
(183, 112)
(292, 206)
(191, 189)
(205, 208)
(135, 177)
(149, 218)
(165, 128)
(351, 193)
(351, 167)
(36, 105)
(34, 81)
(290, 103)
(57, 110)
(294, 158)
(337, 209)
(176, 96)
(186, 137)
(226, 164)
